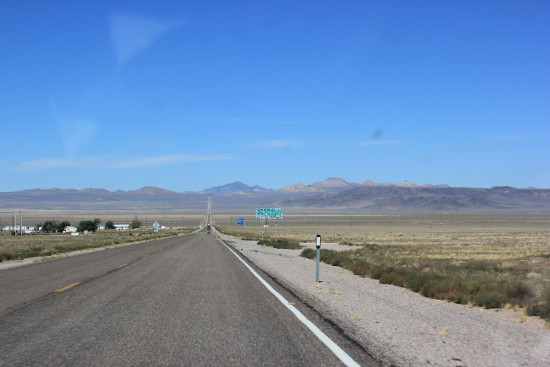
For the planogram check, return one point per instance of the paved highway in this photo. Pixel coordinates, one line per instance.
(185, 301)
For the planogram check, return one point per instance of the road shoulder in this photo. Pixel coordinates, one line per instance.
(402, 328)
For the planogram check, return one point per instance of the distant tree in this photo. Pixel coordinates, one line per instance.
(61, 226)
(49, 226)
(97, 221)
(109, 225)
(87, 225)
(135, 223)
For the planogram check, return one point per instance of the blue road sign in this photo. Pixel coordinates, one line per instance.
(240, 221)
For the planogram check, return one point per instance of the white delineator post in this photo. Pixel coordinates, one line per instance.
(318, 260)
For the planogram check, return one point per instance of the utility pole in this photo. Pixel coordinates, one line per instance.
(209, 210)
(276, 230)
(209, 215)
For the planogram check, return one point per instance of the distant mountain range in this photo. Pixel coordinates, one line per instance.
(429, 199)
(328, 185)
(332, 194)
(234, 187)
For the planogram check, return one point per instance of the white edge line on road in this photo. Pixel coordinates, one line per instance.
(339, 352)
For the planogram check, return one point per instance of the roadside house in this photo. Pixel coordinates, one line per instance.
(70, 229)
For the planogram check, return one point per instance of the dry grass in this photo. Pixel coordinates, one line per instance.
(487, 259)
(32, 245)
(47, 244)
(453, 237)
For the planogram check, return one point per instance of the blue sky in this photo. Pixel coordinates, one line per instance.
(186, 95)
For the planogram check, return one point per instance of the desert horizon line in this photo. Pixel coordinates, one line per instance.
(325, 183)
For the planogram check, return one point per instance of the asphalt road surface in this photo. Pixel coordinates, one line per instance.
(183, 301)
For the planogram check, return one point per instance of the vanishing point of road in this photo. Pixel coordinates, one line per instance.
(181, 301)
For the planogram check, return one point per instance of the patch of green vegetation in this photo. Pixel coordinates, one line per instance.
(247, 237)
(480, 283)
(282, 243)
(490, 299)
(479, 259)
(542, 307)
(309, 253)
(47, 244)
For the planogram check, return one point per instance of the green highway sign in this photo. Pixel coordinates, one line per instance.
(269, 213)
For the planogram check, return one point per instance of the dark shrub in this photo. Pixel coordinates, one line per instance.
(61, 226)
(287, 244)
(309, 253)
(490, 299)
(4, 256)
(87, 225)
(519, 292)
(329, 256)
(282, 243)
(456, 294)
(471, 286)
(361, 268)
(376, 271)
(434, 288)
(539, 309)
(416, 281)
(395, 276)
(385, 274)
(50, 226)
(445, 289)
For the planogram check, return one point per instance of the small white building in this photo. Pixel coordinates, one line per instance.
(26, 229)
(70, 229)
(122, 227)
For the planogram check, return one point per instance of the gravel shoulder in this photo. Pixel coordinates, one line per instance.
(402, 328)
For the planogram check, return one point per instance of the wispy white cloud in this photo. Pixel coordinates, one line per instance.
(113, 163)
(131, 34)
(43, 163)
(164, 160)
(275, 144)
(78, 133)
(50, 163)
(379, 142)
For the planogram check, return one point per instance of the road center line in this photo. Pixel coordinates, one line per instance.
(77, 283)
(67, 287)
(339, 352)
